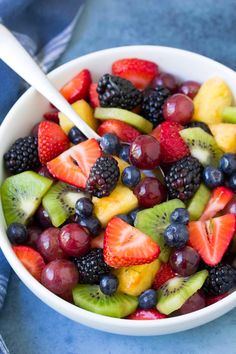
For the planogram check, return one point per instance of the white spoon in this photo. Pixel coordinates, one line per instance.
(19, 60)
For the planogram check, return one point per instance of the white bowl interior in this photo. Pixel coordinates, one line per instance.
(29, 110)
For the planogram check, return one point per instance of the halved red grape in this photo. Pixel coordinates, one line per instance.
(166, 80)
(35, 130)
(43, 171)
(184, 261)
(178, 108)
(145, 152)
(230, 207)
(74, 240)
(48, 245)
(150, 191)
(194, 303)
(33, 235)
(189, 88)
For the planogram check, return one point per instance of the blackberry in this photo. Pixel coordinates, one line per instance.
(91, 267)
(201, 125)
(113, 91)
(103, 176)
(152, 105)
(183, 178)
(221, 279)
(22, 155)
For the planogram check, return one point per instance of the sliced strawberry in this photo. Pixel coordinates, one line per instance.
(212, 238)
(52, 141)
(219, 199)
(146, 315)
(98, 241)
(93, 95)
(78, 87)
(124, 131)
(73, 166)
(140, 72)
(31, 259)
(173, 147)
(213, 300)
(52, 116)
(125, 245)
(164, 274)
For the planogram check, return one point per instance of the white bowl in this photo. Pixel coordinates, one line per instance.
(29, 109)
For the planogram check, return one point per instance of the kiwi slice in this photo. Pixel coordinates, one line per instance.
(59, 202)
(175, 292)
(199, 201)
(21, 195)
(153, 222)
(202, 146)
(90, 297)
(229, 115)
(123, 115)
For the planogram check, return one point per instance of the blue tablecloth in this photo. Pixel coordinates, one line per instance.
(207, 27)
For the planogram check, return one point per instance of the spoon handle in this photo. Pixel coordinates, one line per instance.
(19, 60)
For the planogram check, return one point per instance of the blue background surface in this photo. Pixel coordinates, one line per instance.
(204, 26)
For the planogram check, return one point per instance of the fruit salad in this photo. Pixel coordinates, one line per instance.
(139, 224)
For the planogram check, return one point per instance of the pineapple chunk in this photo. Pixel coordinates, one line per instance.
(225, 136)
(121, 201)
(121, 163)
(136, 279)
(86, 113)
(214, 95)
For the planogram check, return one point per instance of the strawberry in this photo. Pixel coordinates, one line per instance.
(93, 95)
(125, 245)
(173, 147)
(214, 299)
(78, 87)
(146, 315)
(52, 141)
(124, 131)
(164, 274)
(140, 72)
(52, 116)
(73, 166)
(31, 259)
(212, 238)
(219, 199)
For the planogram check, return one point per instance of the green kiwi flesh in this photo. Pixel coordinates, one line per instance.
(202, 146)
(198, 202)
(153, 222)
(59, 202)
(175, 292)
(21, 195)
(90, 298)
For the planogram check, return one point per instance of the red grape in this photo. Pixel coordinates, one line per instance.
(194, 303)
(43, 218)
(150, 191)
(230, 207)
(145, 152)
(60, 276)
(48, 245)
(43, 171)
(189, 88)
(184, 261)
(74, 240)
(35, 130)
(178, 108)
(33, 234)
(167, 80)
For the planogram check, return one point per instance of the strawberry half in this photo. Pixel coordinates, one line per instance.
(124, 131)
(219, 199)
(52, 116)
(146, 315)
(93, 95)
(31, 259)
(140, 72)
(173, 147)
(125, 245)
(78, 87)
(52, 141)
(73, 166)
(164, 274)
(212, 238)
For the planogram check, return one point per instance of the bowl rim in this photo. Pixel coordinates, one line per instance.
(72, 311)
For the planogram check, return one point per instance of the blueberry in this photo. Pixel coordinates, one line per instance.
(125, 218)
(108, 284)
(148, 299)
(124, 153)
(232, 182)
(213, 177)
(84, 207)
(17, 233)
(228, 163)
(131, 176)
(176, 235)
(134, 213)
(76, 136)
(110, 144)
(180, 215)
(92, 224)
